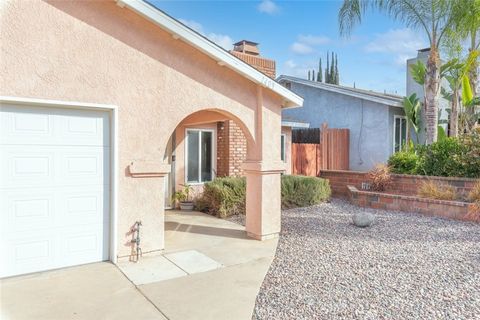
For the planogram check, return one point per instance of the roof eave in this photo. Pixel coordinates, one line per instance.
(384, 101)
(223, 57)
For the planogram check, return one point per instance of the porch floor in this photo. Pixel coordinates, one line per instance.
(215, 270)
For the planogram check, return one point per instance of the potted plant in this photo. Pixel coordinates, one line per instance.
(183, 198)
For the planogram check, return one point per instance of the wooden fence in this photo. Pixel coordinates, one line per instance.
(332, 153)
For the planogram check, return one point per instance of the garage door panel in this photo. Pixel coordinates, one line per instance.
(29, 253)
(23, 168)
(81, 245)
(84, 165)
(24, 124)
(54, 188)
(49, 166)
(26, 210)
(53, 126)
(83, 206)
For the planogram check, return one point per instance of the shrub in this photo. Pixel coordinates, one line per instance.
(404, 162)
(435, 190)
(443, 158)
(223, 197)
(474, 194)
(471, 155)
(302, 191)
(380, 177)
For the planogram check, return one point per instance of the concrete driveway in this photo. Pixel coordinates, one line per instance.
(177, 285)
(94, 291)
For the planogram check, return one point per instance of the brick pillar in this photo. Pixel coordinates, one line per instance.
(237, 149)
(223, 148)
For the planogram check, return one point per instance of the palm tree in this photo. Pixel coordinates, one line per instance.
(467, 27)
(434, 17)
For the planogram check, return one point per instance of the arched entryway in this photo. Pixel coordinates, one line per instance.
(196, 153)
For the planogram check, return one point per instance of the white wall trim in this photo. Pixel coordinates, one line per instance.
(180, 31)
(113, 112)
(395, 117)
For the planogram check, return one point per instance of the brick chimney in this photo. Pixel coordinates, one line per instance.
(248, 52)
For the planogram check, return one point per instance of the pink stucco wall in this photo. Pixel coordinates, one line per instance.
(97, 52)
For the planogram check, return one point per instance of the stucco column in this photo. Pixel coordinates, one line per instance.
(263, 203)
(263, 169)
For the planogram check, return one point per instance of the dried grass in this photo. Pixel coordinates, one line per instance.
(435, 190)
(474, 194)
(380, 177)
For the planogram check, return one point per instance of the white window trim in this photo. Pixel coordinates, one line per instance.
(395, 117)
(113, 116)
(214, 158)
(284, 147)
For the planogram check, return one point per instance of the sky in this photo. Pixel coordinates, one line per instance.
(297, 33)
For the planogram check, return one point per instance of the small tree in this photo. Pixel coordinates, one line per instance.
(319, 73)
(411, 106)
(327, 70)
(332, 71)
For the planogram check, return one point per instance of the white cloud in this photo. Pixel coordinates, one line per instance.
(268, 7)
(300, 70)
(222, 40)
(301, 48)
(400, 43)
(290, 64)
(193, 25)
(313, 40)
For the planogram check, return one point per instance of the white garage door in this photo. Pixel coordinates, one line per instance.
(54, 188)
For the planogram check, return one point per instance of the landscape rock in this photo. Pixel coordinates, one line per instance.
(363, 219)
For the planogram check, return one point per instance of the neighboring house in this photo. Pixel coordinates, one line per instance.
(97, 99)
(376, 121)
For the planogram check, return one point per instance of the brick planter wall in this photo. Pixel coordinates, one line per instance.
(448, 209)
(401, 184)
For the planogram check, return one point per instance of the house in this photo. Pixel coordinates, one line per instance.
(97, 99)
(376, 120)
(227, 149)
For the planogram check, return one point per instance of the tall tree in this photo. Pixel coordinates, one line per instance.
(308, 74)
(327, 70)
(332, 70)
(337, 78)
(434, 17)
(313, 75)
(467, 27)
(320, 72)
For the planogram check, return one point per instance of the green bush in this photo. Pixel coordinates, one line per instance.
(224, 197)
(471, 156)
(449, 157)
(404, 162)
(301, 191)
(443, 158)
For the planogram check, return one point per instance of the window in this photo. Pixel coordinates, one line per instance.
(199, 155)
(399, 133)
(283, 141)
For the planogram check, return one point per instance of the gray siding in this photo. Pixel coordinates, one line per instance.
(370, 123)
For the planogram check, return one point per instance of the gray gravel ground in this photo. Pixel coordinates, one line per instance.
(405, 266)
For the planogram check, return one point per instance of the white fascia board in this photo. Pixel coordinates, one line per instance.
(201, 43)
(359, 95)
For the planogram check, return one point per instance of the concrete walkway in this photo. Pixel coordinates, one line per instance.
(209, 270)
